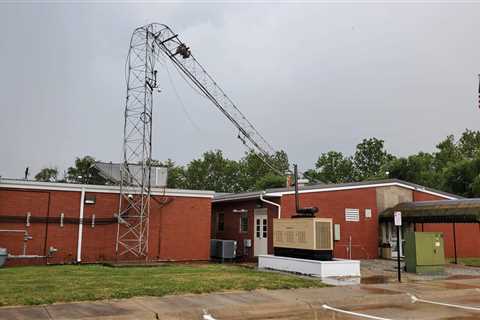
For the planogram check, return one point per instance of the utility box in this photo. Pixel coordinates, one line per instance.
(424, 252)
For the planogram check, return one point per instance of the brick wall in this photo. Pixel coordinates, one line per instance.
(179, 229)
(232, 224)
(332, 204)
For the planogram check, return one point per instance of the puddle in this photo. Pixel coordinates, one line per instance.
(461, 318)
(455, 286)
(378, 306)
(374, 290)
(374, 280)
(462, 277)
(341, 281)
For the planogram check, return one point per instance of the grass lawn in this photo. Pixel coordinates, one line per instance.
(472, 262)
(49, 284)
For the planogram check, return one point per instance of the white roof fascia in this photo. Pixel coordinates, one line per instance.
(387, 184)
(55, 186)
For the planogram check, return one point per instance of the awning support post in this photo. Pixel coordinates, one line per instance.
(454, 243)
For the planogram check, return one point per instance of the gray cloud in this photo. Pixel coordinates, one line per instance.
(311, 77)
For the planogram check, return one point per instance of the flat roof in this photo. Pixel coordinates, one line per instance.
(59, 186)
(437, 211)
(278, 192)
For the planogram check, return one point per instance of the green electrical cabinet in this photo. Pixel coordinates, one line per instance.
(424, 252)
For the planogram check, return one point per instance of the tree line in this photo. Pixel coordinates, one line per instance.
(454, 166)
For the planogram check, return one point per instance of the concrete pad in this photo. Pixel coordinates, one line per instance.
(121, 309)
(316, 268)
(24, 313)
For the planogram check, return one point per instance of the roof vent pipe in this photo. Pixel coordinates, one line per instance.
(273, 204)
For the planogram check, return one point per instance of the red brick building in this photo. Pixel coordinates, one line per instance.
(354, 207)
(50, 214)
(182, 222)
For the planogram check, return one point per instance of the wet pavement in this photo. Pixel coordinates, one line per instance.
(376, 295)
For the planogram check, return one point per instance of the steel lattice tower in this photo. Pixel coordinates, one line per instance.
(135, 188)
(146, 45)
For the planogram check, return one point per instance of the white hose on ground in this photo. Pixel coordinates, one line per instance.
(415, 299)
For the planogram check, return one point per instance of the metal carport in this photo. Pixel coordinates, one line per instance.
(437, 211)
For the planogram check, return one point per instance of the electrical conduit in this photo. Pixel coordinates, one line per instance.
(272, 203)
(80, 226)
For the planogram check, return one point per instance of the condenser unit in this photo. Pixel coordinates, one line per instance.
(306, 238)
(223, 249)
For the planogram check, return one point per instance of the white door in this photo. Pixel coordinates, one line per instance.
(260, 244)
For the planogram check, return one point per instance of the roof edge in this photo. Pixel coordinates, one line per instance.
(60, 186)
(367, 184)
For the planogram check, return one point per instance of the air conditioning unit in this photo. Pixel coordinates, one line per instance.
(213, 247)
(223, 249)
(305, 238)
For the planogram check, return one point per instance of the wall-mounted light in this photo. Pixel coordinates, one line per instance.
(239, 210)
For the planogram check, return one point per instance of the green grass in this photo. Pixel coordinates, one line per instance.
(472, 262)
(49, 284)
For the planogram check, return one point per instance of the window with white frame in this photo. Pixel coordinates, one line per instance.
(244, 222)
(352, 214)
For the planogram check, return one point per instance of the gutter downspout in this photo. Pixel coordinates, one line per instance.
(273, 204)
(80, 226)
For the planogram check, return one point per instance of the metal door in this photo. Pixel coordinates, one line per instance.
(260, 244)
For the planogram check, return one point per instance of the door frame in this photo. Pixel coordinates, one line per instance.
(260, 248)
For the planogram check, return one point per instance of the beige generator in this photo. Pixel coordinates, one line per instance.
(305, 238)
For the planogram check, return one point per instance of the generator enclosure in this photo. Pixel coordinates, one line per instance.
(424, 252)
(305, 238)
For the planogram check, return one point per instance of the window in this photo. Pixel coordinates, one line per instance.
(90, 199)
(244, 222)
(258, 228)
(220, 221)
(368, 213)
(265, 228)
(352, 215)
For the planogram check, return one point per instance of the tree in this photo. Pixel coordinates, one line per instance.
(84, 172)
(370, 159)
(212, 172)
(176, 174)
(271, 181)
(469, 144)
(253, 169)
(332, 167)
(447, 152)
(462, 177)
(47, 175)
(418, 168)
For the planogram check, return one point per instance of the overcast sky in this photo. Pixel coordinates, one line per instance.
(311, 77)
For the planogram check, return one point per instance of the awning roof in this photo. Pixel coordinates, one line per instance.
(438, 211)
